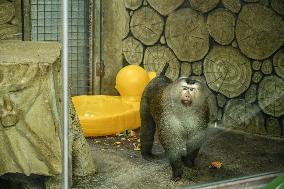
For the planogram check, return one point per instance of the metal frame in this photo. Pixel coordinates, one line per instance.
(95, 42)
(26, 20)
(26, 31)
(249, 182)
(91, 48)
(46, 25)
(65, 94)
(95, 46)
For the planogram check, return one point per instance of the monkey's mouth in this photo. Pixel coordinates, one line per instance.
(186, 102)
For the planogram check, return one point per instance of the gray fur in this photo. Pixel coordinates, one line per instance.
(181, 128)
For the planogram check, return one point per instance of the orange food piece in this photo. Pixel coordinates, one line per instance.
(215, 165)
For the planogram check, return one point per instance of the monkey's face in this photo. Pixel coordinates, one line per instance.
(186, 97)
(190, 92)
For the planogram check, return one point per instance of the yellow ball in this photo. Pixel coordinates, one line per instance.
(131, 81)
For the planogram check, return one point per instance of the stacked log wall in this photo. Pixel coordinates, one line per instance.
(237, 45)
(10, 20)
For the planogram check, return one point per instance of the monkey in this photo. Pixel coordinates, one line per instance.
(179, 110)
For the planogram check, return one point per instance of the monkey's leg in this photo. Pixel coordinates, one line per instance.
(176, 165)
(147, 130)
(188, 160)
(175, 147)
(193, 145)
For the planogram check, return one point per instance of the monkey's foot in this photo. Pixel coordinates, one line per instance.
(175, 179)
(177, 174)
(188, 162)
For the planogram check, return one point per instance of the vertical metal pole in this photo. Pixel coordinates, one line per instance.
(65, 94)
(101, 44)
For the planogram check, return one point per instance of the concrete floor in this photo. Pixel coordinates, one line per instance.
(120, 166)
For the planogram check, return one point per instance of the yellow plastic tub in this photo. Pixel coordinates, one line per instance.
(101, 115)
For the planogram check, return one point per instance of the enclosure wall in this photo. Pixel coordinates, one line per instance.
(237, 45)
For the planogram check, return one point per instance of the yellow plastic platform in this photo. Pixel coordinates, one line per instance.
(102, 115)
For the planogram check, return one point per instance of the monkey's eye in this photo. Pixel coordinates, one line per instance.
(185, 88)
(191, 89)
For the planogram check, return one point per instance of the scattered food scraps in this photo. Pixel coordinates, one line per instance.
(134, 134)
(127, 133)
(137, 147)
(117, 143)
(215, 165)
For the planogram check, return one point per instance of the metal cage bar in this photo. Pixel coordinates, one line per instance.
(46, 23)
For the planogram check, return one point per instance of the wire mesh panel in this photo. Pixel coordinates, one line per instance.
(46, 26)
